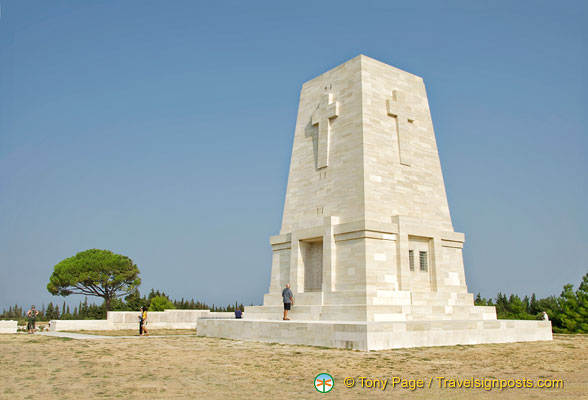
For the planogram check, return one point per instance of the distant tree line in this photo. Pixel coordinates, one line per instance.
(568, 312)
(154, 301)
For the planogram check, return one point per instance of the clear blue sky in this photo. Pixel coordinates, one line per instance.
(163, 130)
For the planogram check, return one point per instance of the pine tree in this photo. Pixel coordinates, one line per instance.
(83, 309)
(533, 305)
(134, 301)
(551, 305)
(570, 317)
(517, 308)
(501, 306)
(582, 298)
(526, 303)
(480, 301)
(49, 314)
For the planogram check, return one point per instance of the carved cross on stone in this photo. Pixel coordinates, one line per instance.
(397, 108)
(322, 115)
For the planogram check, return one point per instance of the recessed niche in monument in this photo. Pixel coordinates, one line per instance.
(312, 260)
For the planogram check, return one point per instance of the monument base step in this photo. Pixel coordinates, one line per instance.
(377, 335)
(376, 313)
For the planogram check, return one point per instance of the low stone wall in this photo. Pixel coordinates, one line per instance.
(168, 319)
(220, 315)
(8, 326)
(117, 320)
(79, 325)
(377, 335)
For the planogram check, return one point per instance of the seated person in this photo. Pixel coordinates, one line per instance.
(238, 314)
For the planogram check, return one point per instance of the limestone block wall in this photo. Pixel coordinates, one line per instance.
(371, 258)
(365, 177)
(312, 192)
(218, 315)
(350, 269)
(378, 335)
(452, 275)
(170, 319)
(57, 325)
(8, 326)
(381, 265)
(117, 320)
(280, 274)
(411, 185)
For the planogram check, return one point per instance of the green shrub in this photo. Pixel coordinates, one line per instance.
(160, 303)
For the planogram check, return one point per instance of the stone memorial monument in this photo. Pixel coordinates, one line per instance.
(367, 241)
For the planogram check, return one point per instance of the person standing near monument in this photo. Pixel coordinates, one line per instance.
(143, 322)
(32, 316)
(288, 301)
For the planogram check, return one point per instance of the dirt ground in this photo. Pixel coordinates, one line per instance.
(191, 367)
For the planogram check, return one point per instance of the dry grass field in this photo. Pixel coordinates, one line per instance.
(191, 367)
(134, 332)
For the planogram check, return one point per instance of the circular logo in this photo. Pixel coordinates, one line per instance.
(324, 383)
